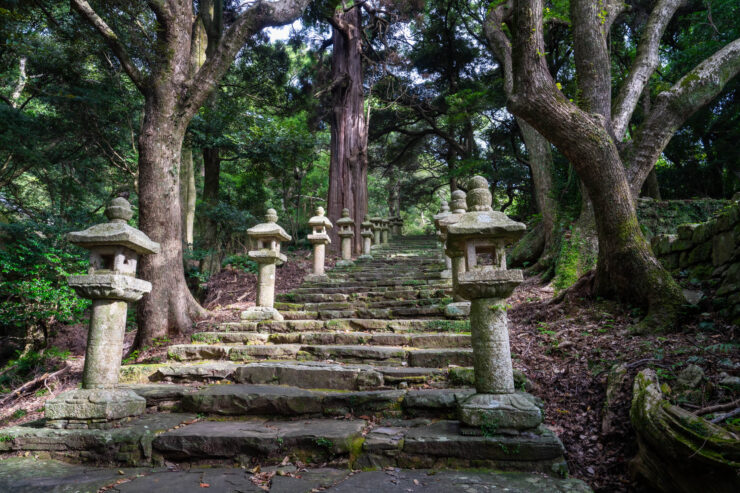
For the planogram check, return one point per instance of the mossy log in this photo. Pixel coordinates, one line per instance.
(679, 451)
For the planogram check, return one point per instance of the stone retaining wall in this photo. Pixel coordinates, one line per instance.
(707, 255)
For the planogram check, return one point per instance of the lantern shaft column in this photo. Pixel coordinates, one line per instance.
(104, 344)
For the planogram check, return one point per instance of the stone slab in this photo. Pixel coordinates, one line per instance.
(309, 375)
(130, 444)
(269, 440)
(242, 399)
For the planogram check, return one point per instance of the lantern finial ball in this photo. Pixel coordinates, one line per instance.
(345, 212)
(479, 197)
(459, 203)
(119, 210)
(444, 206)
(320, 211)
(271, 216)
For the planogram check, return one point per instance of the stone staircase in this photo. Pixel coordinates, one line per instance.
(364, 370)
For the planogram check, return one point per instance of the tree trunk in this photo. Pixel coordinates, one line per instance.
(211, 183)
(348, 164)
(626, 268)
(540, 163)
(169, 308)
(187, 196)
(651, 188)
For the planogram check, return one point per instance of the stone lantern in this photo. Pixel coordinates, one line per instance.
(346, 232)
(266, 239)
(377, 229)
(482, 234)
(460, 308)
(319, 238)
(397, 226)
(384, 231)
(110, 283)
(444, 211)
(367, 237)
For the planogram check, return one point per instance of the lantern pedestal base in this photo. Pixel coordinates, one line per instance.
(257, 313)
(316, 278)
(496, 413)
(82, 408)
(457, 310)
(446, 274)
(365, 256)
(345, 263)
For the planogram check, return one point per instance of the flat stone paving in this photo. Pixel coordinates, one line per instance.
(30, 475)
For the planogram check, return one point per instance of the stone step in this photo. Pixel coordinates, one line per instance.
(389, 313)
(383, 285)
(284, 401)
(427, 445)
(263, 441)
(357, 304)
(427, 340)
(392, 355)
(429, 324)
(398, 294)
(302, 374)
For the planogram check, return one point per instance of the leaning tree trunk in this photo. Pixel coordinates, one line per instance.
(626, 268)
(169, 308)
(348, 164)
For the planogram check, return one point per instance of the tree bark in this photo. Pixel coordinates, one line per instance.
(211, 185)
(540, 164)
(651, 188)
(626, 267)
(348, 164)
(187, 196)
(170, 307)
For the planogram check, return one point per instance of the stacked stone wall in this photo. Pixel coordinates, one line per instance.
(707, 255)
(664, 216)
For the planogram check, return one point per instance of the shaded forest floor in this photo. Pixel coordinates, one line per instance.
(566, 350)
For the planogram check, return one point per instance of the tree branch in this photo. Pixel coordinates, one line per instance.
(673, 107)
(643, 66)
(111, 39)
(500, 44)
(262, 14)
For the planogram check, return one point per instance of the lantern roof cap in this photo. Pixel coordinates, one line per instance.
(116, 232)
(481, 220)
(320, 219)
(345, 219)
(269, 228)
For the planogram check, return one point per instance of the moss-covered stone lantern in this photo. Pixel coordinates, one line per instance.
(384, 231)
(377, 229)
(346, 232)
(110, 283)
(459, 308)
(482, 234)
(444, 211)
(266, 239)
(367, 237)
(397, 226)
(319, 238)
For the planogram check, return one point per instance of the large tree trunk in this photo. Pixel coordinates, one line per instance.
(540, 163)
(211, 183)
(169, 308)
(626, 267)
(348, 165)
